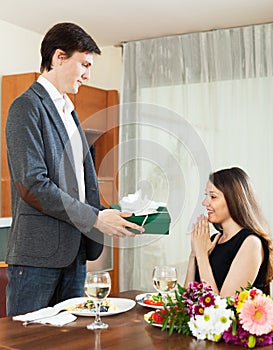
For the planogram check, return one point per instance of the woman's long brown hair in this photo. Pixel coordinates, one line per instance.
(243, 206)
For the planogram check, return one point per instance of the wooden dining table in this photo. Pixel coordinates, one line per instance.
(127, 331)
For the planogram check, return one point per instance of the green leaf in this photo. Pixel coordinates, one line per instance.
(171, 329)
(176, 318)
(157, 297)
(165, 324)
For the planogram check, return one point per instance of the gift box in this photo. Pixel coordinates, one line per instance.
(156, 223)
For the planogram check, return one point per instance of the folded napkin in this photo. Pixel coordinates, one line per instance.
(139, 204)
(48, 315)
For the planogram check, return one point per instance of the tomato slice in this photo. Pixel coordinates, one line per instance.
(157, 317)
(152, 302)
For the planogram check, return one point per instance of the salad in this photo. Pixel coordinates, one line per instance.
(89, 304)
(154, 300)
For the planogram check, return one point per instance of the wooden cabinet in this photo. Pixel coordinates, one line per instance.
(12, 86)
(98, 114)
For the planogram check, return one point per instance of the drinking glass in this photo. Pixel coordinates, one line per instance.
(97, 287)
(164, 279)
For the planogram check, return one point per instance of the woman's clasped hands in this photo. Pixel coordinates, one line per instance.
(201, 243)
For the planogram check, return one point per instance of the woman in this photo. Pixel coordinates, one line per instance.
(242, 251)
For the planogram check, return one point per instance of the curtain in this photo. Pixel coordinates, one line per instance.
(192, 104)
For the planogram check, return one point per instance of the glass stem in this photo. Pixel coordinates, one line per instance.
(97, 318)
(164, 297)
(97, 339)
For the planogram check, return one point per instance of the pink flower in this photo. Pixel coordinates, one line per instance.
(256, 315)
(198, 309)
(208, 299)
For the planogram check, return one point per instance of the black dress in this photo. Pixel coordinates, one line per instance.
(224, 253)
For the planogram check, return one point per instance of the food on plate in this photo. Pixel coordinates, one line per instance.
(156, 300)
(156, 317)
(106, 306)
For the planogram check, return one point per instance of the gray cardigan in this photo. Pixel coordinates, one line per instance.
(48, 220)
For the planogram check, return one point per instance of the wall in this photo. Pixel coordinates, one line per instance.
(20, 53)
(107, 70)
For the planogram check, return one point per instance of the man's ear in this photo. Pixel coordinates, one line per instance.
(58, 57)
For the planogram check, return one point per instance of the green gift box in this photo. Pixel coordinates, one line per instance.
(157, 223)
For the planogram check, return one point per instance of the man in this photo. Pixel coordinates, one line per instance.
(58, 220)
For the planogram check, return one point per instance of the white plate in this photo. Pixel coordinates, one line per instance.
(122, 305)
(141, 297)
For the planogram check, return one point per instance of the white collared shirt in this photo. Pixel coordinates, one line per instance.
(65, 107)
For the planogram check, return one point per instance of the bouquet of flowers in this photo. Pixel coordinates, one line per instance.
(253, 322)
(245, 319)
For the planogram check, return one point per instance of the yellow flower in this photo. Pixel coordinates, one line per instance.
(217, 337)
(239, 306)
(243, 295)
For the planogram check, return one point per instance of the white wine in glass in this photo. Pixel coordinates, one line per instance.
(97, 287)
(164, 279)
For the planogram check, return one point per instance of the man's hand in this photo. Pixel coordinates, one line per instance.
(112, 222)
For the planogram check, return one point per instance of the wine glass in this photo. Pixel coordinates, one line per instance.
(97, 287)
(164, 279)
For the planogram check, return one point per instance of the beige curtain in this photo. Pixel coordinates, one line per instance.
(191, 104)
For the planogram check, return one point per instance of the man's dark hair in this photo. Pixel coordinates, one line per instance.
(67, 37)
